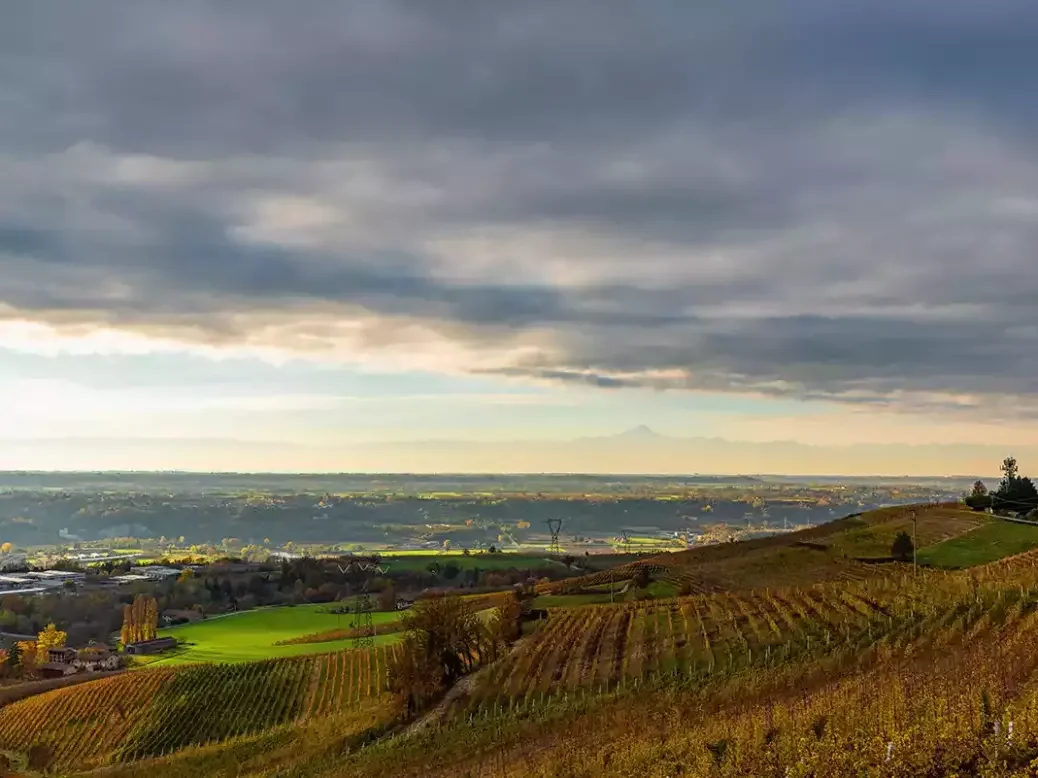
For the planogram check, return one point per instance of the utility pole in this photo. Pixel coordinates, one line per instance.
(915, 543)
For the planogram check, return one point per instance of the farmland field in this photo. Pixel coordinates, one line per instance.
(252, 635)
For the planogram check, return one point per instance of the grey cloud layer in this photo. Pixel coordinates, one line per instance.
(811, 199)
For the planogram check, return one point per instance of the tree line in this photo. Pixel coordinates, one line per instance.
(1016, 494)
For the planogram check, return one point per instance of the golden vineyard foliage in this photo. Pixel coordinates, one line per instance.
(150, 713)
(941, 682)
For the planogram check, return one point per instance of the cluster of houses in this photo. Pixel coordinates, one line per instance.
(94, 658)
(67, 661)
(97, 657)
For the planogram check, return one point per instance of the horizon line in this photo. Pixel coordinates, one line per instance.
(482, 474)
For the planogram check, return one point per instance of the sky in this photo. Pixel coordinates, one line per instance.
(254, 234)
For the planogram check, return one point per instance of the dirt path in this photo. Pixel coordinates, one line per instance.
(437, 714)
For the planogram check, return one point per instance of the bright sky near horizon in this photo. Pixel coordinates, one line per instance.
(232, 227)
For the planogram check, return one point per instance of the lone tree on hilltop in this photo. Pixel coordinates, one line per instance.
(1015, 493)
(1010, 471)
(902, 547)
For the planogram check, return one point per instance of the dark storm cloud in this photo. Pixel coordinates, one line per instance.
(812, 199)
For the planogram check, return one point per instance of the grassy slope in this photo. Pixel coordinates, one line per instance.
(251, 635)
(823, 553)
(987, 543)
(874, 538)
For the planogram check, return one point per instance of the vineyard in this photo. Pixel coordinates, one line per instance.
(790, 660)
(893, 712)
(155, 712)
(929, 674)
(598, 648)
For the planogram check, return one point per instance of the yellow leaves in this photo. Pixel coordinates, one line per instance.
(140, 620)
(51, 637)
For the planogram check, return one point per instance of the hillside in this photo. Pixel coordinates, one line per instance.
(840, 550)
(930, 675)
(805, 660)
(154, 712)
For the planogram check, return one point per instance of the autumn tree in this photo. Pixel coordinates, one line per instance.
(506, 624)
(14, 656)
(51, 637)
(443, 640)
(26, 655)
(6, 548)
(387, 598)
(140, 620)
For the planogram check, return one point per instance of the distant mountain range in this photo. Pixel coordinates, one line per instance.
(640, 450)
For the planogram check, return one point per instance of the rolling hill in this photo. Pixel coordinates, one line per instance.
(805, 654)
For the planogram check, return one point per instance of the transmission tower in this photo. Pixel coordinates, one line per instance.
(555, 527)
(627, 542)
(362, 624)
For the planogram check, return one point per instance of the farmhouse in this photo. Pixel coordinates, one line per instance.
(95, 658)
(67, 661)
(151, 646)
(59, 662)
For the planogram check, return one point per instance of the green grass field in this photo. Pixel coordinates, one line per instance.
(991, 541)
(251, 635)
